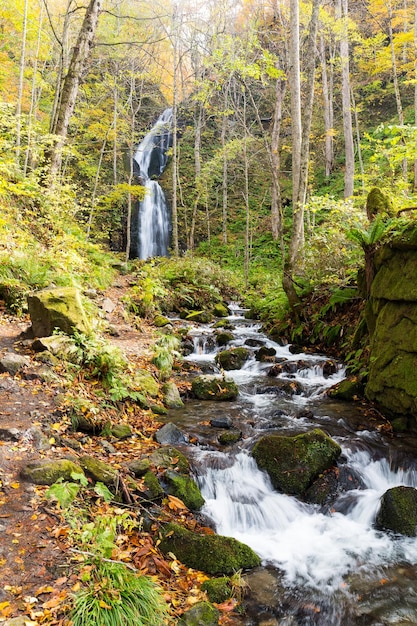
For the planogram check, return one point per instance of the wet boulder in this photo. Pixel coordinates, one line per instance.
(214, 387)
(57, 308)
(293, 463)
(172, 398)
(265, 354)
(170, 434)
(213, 554)
(348, 389)
(220, 310)
(232, 359)
(203, 317)
(398, 511)
(223, 338)
(218, 589)
(169, 457)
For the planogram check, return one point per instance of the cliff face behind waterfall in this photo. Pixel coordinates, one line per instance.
(392, 318)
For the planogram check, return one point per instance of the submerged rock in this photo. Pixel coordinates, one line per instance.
(213, 554)
(398, 512)
(214, 387)
(170, 458)
(293, 463)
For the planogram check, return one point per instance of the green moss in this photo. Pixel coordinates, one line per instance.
(230, 437)
(169, 457)
(146, 383)
(160, 321)
(204, 317)
(213, 554)
(220, 310)
(395, 278)
(121, 431)
(214, 388)
(218, 589)
(98, 470)
(232, 359)
(184, 488)
(48, 472)
(377, 203)
(201, 614)
(154, 490)
(398, 512)
(293, 463)
(224, 338)
(57, 308)
(348, 389)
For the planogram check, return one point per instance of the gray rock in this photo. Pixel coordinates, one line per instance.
(201, 614)
(170, 434)
(221, 422)
(12, 363)
(10, 434)
(172, 398)
(57, 308)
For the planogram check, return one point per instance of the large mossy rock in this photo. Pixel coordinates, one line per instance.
(201, 614)
(377, 203)
(98, 470)
(232, 359)
(57, 308)
(398, 511)
(392, 322)
(184, 488)
(169, 457)
(172, 398)
(48, 472)
(214, 387)
(213, 554)
(293, 463)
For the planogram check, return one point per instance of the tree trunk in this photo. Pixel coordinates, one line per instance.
(276, 212)
(327, 112)
(72, 79)
(342, 13)
(22, 64)
(225, 172)
(415, 87)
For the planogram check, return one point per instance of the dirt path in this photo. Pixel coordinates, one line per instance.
(33, 563)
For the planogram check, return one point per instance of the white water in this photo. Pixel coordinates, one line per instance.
(154, 218)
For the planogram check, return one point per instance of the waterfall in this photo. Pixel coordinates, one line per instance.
(154, 221)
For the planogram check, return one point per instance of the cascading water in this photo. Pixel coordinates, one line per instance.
(330, 565)
(154, 221)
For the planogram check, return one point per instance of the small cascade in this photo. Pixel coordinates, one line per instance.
(154, 220)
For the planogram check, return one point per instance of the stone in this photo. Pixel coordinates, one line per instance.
(98, 470)
(229, 437)
(140, 467)
(153, 489)
(222, 339)
(121, 431)
(40, 372)
(108, 305)
(184, 488)
(11, 363)
(232, 359)
(204, 317)
(293, 463)
(160, 321)
(48, 472)
(348, 389)
(201, 614)
(221, 422)
(220, 310)
(213, 554)
(10, 434)
(265, 354)
(169, 457)
(57, 308)
(170, 434)
(214, 387)
(171, 396)
(398, 511)
(144, 382)
(218, 589)
(377, 203)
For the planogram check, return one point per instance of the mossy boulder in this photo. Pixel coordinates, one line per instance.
(232, 359)
(204, 317)
(144, 382)
(348, 389)
(98, 470)
(57, 308)
(214, 387)
(398, 511)
(377, 203)
(160, 321)
(230, 437)
(121, 431)
(220, 310)
(184, 488)
(57, 345)
(201, 614)
(48, 472)
(172, 398)
(169, 457)
(293, 463)
(218, 589)
(222, 339)
(213, 554)
(265, 354)
(153, 490)
(139, 467)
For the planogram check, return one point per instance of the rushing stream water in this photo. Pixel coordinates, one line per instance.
(326, 565)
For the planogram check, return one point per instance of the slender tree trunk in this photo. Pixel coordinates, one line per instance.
(276, 211)
(71, 83)
(327, 112)
(22, 65)
(415, 87)
(246, 196)
(358, 141)
(33, 98)
(342, 13)
(225, 123)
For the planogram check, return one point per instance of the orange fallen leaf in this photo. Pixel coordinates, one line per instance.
(175, 503)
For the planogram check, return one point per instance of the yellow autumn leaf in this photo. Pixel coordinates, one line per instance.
(15, 485)
(3, 605)
(104, 605)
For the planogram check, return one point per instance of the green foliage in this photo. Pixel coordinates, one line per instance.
(367, 237)
(165, 353)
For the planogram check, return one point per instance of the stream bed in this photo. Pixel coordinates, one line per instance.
(323, 565)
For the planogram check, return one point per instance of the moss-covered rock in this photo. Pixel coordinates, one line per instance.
(218, 589)
(232, 359)
(172, 398)
(293, 463)
(226, 324)
(169, 457)
(48, 472)
(98, 470)
(184, 488)
(265, 354)
(212, 387)
(230, 437)
(121, 431)
(220, 310)
(160, 321)
(201, 614)
(204, 317)
(140, 467)
(144, 382)
(153, 489)
(57, 308)
(377, 203)
(348, 389)
(398, 511)
(213, 554)
(222, 339)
